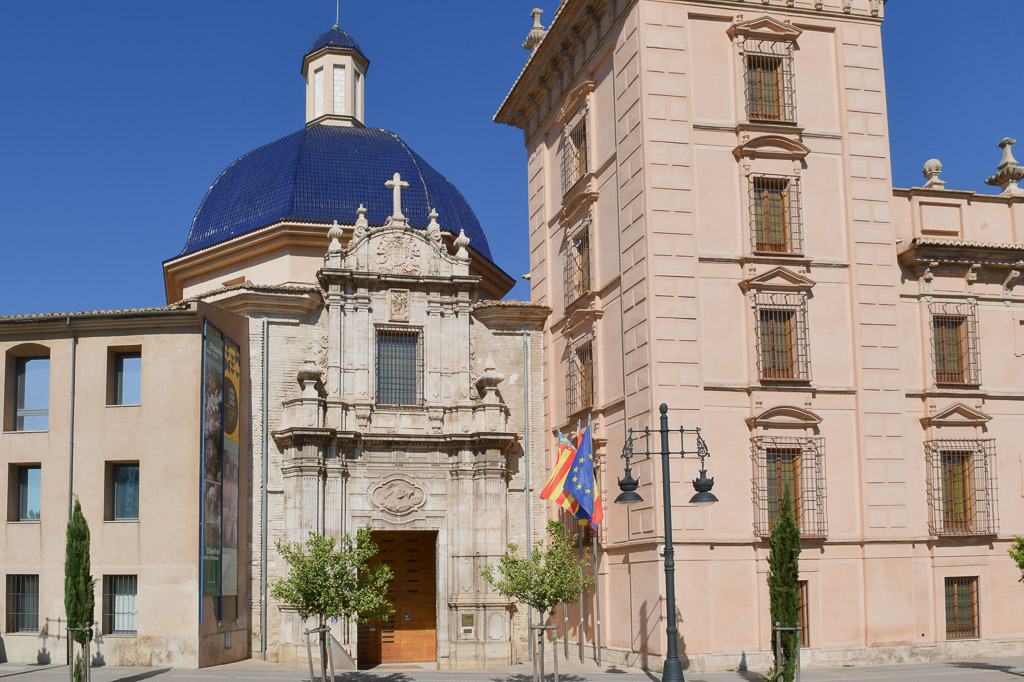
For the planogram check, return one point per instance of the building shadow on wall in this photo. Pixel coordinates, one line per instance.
(3, 651)
(982, 665)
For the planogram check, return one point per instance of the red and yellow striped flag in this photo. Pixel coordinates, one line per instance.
(554, 488)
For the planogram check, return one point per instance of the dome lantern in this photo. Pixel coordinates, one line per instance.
(335, 71)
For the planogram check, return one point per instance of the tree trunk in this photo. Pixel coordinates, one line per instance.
(323, 652)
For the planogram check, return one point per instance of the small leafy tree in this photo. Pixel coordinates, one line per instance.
(333, 579)
(784, 584)
(551, 576)
(1016, 552)
(79, 597)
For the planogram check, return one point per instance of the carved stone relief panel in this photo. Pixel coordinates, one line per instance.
(399, 305)
(398, 497)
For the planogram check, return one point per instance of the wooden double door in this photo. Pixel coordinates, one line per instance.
(410, 635)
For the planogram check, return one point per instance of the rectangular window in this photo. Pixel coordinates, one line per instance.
(399, 366)
(128, 378)
(124, 480)
(577, 267)
(23, 603)
(32, 394)
(962, 608)
(339, 90)
(796, 463)
(580, 383)
(955, 343)
(574, 150)
(783, 352)
(120, 604)
(30, 487)
(770, 90)
(775, 215)
(962, 487)
(357, 96)
(805, 620)
(318, 92)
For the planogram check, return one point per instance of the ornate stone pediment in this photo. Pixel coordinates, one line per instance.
(398, 497)
(778, 279)
(765, 27)
(573, 101)
(772, 147)
(785, 416)
(957, 414)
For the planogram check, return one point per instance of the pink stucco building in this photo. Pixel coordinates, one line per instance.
(714, 226)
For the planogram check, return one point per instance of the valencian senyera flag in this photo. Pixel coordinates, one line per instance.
(554, 489)
(572, 483)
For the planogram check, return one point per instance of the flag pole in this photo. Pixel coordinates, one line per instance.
(597, 585)
(580, 533)
(597, 608)
(565, 614)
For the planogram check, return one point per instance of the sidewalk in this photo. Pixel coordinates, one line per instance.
(969, 671)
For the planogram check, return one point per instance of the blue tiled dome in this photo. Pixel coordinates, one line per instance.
(321, 174)
(335, 38)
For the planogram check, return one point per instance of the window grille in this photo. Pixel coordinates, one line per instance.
(783, 352)
(574, 150)
(955, 355)
(23, 603)
(776, 216)
(962, 608)
(399, 366)
(805, 619)
(120, 604)
(962, 489)
(579, 383)
(797, 463)
(770, 86)
(577, 267)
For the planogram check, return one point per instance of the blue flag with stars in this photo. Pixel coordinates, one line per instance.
(582, 483)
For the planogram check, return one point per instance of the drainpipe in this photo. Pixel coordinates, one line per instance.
(71, 434)
(263, 515)
(526, 463)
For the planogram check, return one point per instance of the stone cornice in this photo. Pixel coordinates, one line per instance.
(355, 439)
(328, 276)
(932, 252)
(512, 314)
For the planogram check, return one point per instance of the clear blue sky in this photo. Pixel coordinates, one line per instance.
(117, 116)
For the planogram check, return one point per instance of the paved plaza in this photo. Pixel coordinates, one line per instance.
(969, 671)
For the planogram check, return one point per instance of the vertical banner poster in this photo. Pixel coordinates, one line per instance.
(229, 529)
(213, 427)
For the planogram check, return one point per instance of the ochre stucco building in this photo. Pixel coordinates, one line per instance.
(714, 226)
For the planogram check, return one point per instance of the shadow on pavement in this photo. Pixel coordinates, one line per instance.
(372, 677)
(529, 678)
(982, 665)
(138, 677)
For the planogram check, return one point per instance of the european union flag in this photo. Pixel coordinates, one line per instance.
(581, 483)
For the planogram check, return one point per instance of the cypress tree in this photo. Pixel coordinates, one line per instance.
(784, 582)
(79, 598)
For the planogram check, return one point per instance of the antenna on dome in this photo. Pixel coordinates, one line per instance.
(337, 14)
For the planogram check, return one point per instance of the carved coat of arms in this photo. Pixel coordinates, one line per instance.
(398, 255)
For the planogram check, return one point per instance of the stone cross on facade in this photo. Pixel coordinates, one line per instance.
(397, 184)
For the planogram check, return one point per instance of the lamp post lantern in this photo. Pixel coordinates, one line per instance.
(702, 497)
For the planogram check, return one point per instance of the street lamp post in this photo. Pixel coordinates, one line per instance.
(702, 497)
